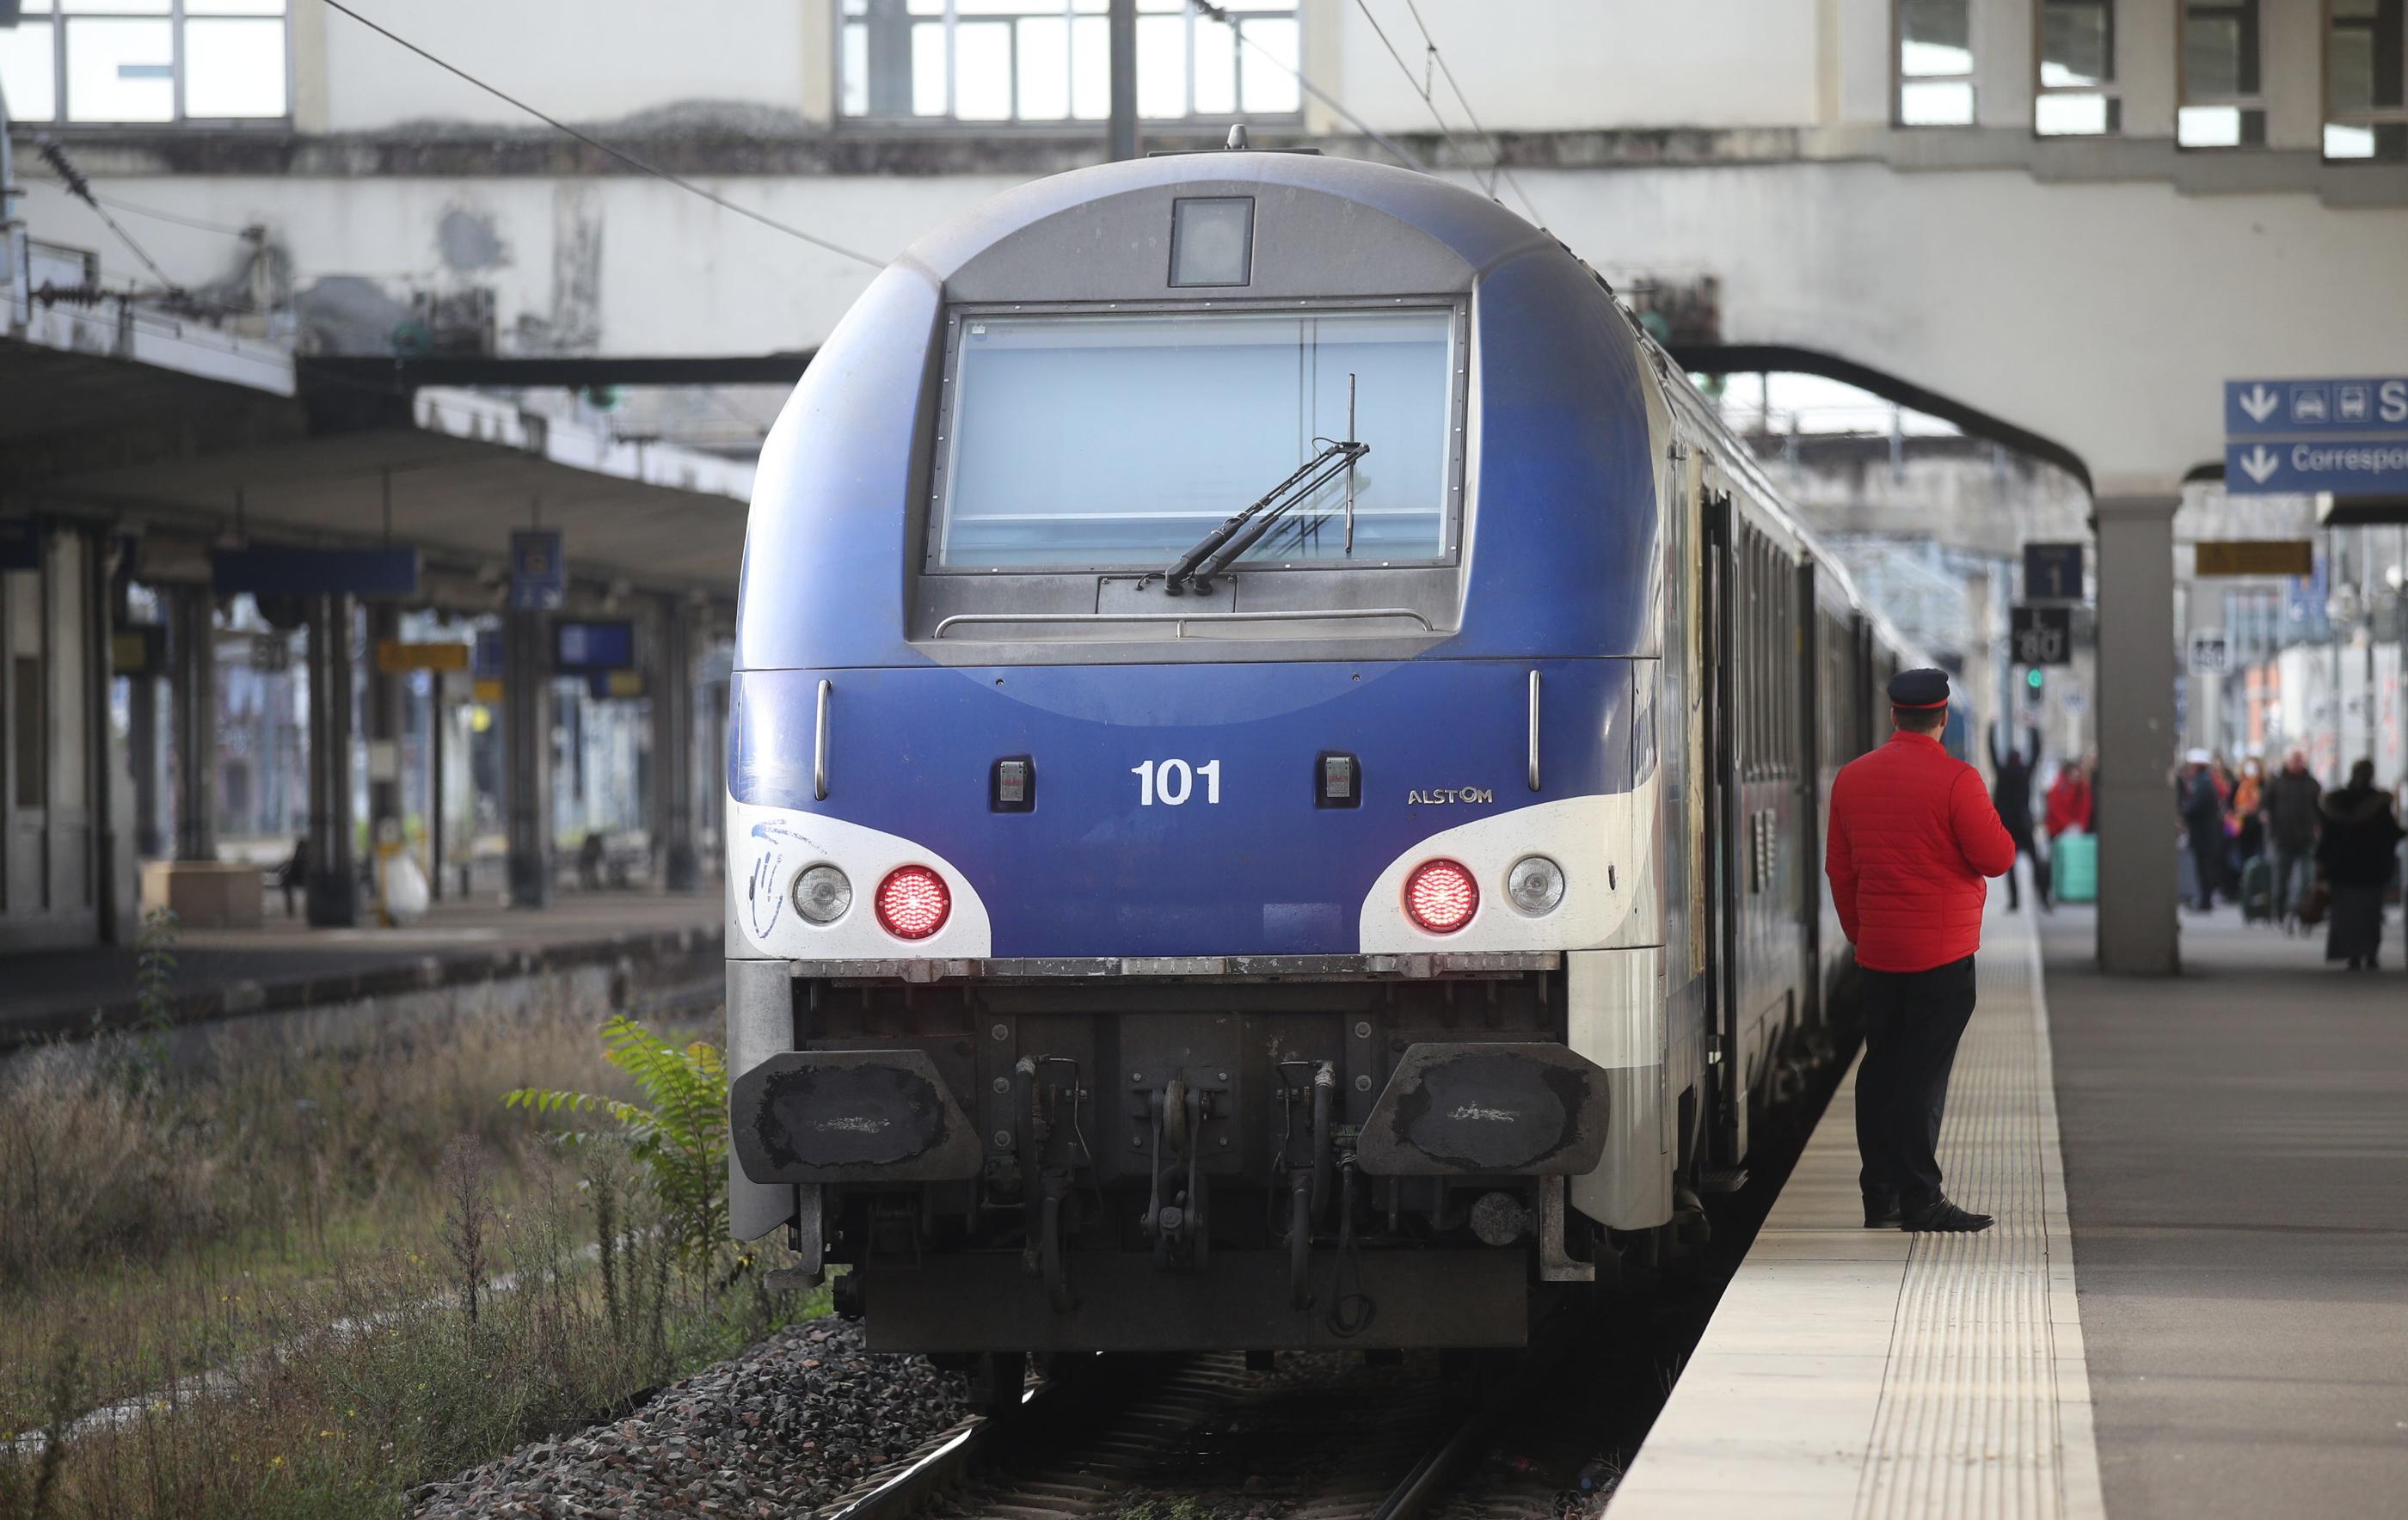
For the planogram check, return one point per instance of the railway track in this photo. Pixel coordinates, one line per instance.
(1318, 1436)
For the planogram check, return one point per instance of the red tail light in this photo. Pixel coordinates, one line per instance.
(1442, 896)
(913, 903)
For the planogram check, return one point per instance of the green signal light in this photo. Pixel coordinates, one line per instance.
(2032, 678)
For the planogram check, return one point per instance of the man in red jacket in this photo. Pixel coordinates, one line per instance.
(1912, 835)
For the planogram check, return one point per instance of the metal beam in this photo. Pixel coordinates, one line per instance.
(400, 375)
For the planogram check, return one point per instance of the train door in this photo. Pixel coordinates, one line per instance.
(1806, 782)
(1725, 1065)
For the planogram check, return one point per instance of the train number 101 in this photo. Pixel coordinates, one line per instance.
(1171, 782)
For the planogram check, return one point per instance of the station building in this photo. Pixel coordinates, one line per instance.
(2056, 224)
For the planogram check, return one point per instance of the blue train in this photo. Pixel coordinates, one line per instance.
(1274, 778)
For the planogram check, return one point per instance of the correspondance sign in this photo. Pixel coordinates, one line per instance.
(2345, 437)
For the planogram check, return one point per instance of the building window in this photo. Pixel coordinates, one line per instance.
(1935, 63)
(2222, 101)
(2077, 96)
(2366, 54)
(938, 61)
(146, 61)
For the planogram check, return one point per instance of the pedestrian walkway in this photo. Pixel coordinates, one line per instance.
(285, 964)
(1850, 1373)
(2236, 1144)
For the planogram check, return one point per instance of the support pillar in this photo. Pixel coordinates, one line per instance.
(193, 699)
(333, 881)
(386, 693)
(2138, 930)
(142, 740)
(1121, 52)
(672, 801)
(526, 755)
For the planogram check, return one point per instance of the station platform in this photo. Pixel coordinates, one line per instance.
(285, 964)
(2224, 1154)
(1855, 1372)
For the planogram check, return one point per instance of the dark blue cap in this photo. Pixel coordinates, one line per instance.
(1919, 689)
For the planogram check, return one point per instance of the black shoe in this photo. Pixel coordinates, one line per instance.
(1947, 1218)
(1881, 1215)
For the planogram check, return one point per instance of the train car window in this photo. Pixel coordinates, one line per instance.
(1090, 440)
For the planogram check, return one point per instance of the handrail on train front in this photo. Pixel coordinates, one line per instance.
(1183, 618)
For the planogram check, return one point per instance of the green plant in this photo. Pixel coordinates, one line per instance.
(681, 1137)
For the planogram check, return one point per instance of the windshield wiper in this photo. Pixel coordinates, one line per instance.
(1213, 552)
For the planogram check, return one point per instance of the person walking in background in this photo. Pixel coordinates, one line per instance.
(2248, 799)
(2291, 812)
(1910, 839)
(2357, 857)
(2202, 816)
(2069, 803)
(2010, 795)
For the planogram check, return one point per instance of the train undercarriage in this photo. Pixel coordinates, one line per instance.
(1048, 1161)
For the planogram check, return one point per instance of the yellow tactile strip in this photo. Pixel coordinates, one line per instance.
(1863, 1374)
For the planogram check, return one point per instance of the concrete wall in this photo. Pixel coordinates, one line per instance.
(1538, 65)
(581, 60)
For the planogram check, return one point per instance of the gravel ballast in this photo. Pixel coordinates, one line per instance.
(793, 1423)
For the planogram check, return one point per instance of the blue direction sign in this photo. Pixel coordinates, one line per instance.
(539, 580)
(2366, 407)
(2295, 467)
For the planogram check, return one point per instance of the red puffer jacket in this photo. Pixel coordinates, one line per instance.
(1912, 835)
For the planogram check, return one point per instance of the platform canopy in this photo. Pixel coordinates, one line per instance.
(192, 437)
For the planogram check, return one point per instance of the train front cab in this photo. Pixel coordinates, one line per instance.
(1178, 1073)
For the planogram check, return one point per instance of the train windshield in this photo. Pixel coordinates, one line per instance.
(1081, 441)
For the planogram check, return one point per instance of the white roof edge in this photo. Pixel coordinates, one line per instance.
(164, 342)
(499, 420)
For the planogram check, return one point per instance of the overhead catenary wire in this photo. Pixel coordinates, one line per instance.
(55, 154)
(1422, 87)
(1237, 25)
(631, 160)
(1423, 90)
(1496, 147)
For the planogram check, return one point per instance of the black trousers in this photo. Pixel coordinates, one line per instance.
(2025, 845)
(1913, 1021)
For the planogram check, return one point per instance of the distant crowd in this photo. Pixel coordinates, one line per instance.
(2289, 850)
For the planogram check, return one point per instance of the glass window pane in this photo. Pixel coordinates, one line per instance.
(1161, 66)
(2076, 46)
(2345, 141)
(1271, 88)
(928, 68)
(2350, 71)
(999, 8)
(983, 71)
(233, 7)
(1935, 36)
(36, 7)
(1104, 441)
(25, 71)
(1936, 104)
(926, 7)
(2211, 58)
(855, 70)
(2071, 115)
(1091, 68)
(116, 7)
(1044, 68)
(234, 68)
(1216, 68)
(121, 71)
(2208, 126)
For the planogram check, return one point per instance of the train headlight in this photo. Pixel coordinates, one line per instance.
(1442, 896)
(913, 902)
(822, 893)
(1536, 885)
